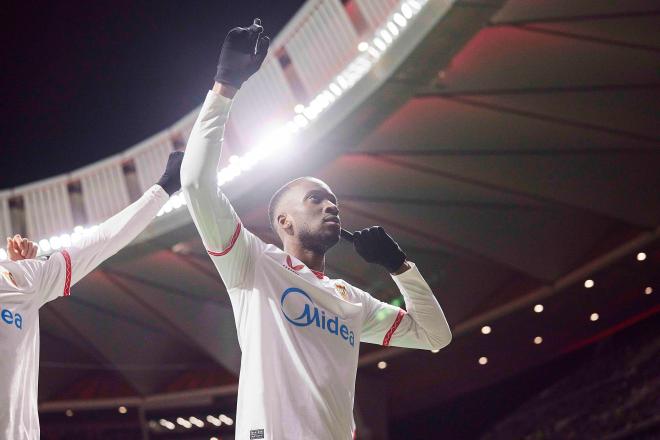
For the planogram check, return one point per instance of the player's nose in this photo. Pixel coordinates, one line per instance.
(331, 208)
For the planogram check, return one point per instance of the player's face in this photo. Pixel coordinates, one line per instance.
(315, 215)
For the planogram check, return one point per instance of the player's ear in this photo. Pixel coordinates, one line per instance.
(284, 222)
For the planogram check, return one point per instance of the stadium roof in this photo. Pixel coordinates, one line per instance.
(513, 153)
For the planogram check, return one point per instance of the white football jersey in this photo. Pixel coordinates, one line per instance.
(298, 330)
(27, 285)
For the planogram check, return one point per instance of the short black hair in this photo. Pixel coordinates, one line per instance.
(275, 200)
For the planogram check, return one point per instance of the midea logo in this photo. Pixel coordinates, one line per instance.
(310, 314)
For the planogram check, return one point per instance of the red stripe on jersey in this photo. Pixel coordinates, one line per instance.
(67, 275)
(232, 242)
(390, 332)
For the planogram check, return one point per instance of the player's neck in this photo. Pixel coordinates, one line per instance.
(312, 259)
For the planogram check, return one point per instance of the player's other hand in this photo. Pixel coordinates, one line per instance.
(19, 248)
(170, 181)
(242, 54)
(376, 246)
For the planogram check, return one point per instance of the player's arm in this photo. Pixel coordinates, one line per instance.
(423, 323)
(224, 237)
(63, 269)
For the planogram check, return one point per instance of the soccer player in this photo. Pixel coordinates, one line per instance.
(299, 331)
(27, 284)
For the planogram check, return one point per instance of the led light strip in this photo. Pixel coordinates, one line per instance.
(370, 52)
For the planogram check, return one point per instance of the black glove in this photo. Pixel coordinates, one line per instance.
(242, 53)
(171, 178)
(376, 246)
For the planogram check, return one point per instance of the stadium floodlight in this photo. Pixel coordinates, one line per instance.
(386, 36)
(167, 424)
(382, 365)
(594, 317)
(195, 421)
(399, 19)
(183, 422)
(363, 46)
(483, 360)
(44, 245)
(394, 30)
(226, 420)
(538, 340)
(414, 4)
(406, 11)
(65, 240)
(380, 44)
(589, 284)
(213, 420)
(334, 88)
(538, 308)
(648, 290)
(55, 242)
(641, 256)
(486, 329)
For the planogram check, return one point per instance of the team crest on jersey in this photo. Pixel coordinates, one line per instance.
(341, 290)
(9, 277)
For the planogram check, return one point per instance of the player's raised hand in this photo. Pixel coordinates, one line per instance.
(170, 181)
(19, 248)
(242, 54)
(376, 246)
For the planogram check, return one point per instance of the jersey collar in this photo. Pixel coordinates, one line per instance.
(297, 267)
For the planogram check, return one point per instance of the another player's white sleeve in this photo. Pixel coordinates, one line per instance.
(423, 325)
(114, 233)
(44, 280)
(33, 281)
(232, 248)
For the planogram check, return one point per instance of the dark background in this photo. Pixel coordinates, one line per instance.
(84, 80)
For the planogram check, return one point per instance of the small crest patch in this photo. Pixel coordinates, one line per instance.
(341, 290)
(10, 278)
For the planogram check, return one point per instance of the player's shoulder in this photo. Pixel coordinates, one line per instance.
(19, 275)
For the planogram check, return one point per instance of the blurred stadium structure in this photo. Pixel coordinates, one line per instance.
(511, 147)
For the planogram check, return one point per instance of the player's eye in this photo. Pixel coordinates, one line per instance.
(315, 198)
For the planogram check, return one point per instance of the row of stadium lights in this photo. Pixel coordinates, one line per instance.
(192, 421)
(538, 308)
(185, 423)
(369, 53)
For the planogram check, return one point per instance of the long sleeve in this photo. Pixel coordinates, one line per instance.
(423, 324)
(39, 281)
(231, 247)
(115, 233)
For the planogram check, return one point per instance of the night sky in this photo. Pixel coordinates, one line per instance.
(84, 80)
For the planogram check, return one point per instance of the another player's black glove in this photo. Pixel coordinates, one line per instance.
(171, 178)
(376, 246)
(242, 53)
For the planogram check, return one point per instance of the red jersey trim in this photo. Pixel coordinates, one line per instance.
(390, 332)
(317, 274)
(67, 275)
(232, 242)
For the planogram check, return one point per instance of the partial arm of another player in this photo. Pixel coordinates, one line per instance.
(423, 324)
(122, 228)
(70, 265)
(243, 51)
